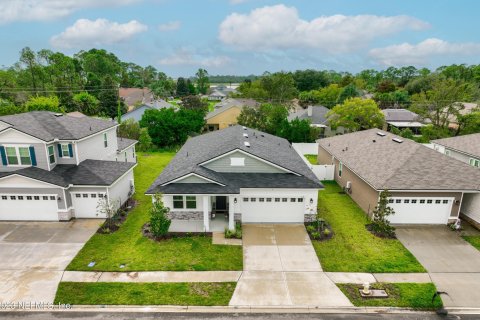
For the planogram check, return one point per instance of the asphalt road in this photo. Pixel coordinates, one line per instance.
(216, 316)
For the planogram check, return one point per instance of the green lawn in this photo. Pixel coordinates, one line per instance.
(404, 295)
(312, 158)
(353, 248)
(473, 240)
(121, 293)
(128, 246)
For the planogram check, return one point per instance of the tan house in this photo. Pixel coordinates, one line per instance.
(226, 113)
(426, 186)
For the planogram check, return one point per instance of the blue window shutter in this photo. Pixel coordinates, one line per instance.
(32, 156)
(59, 146)
(70, 150)
(4, 155)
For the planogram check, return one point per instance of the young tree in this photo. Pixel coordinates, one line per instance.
(380, 224)
(356, 114)
(43, 104)
(469, 123)
(203, 83)
(86, 103)
(144, 141)
(129, 129)
(159, 221)
(195, 103)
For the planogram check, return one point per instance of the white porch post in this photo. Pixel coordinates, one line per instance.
(206, 216)
(231, 213)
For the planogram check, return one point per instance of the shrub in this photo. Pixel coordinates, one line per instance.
(234, 234)
(159, 221)
(381, 225)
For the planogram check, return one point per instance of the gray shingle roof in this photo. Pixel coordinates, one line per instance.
(386, 164)
(88, 172)
(124, 143)
(402, 115)
(47, 126)
(318, 115)
(469, 143)
(211, 145)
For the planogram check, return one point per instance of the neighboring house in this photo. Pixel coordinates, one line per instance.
(317, 115)
(468, 107)
(426, 187)
(466, 149)
(216, 96)
(245, 174)
(137, 113)
(57, 167)
(135, 96)
(226, 113)
(402, 119)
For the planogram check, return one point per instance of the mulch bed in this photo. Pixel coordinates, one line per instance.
(323, 237)
(113, 224)
(172, 235)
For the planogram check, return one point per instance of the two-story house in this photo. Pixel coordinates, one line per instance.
(238, 174)
(466, 149)
(56, 167)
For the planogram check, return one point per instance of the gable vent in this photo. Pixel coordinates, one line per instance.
(397, 140)
(245, 135)
(381, 134)
(247, 144)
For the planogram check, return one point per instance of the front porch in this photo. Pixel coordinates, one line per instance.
(217, 224)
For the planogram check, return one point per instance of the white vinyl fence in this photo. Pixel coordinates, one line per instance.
(321, 171)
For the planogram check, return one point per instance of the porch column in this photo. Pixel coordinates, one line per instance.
(231, 212)
(206, 215)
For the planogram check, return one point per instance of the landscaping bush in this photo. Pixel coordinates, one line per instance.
(234, 234)
(159, 221)
(318, 229)
(380, 225)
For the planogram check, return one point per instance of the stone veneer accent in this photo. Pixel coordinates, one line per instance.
(237, 217)
(309, 217)
(66, 216)
(186, 215)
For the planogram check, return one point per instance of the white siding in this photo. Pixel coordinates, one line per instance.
(168, 202)
(127, 155)
(471, 206)
(93, 147)
(119, 191)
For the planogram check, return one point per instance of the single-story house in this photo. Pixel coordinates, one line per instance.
(226, 112)
(216, 96)
(317, 115)
(466, 149)
(238, 174)
(426, 187)
(402, 119)
(56, 167)
(137, 113)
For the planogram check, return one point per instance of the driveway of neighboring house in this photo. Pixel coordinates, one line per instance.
(281, 268)
(33, 256)
(453, 264)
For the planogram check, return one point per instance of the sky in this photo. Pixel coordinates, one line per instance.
(242, 37)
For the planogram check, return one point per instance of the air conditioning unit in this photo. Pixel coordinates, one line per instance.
(348, 186)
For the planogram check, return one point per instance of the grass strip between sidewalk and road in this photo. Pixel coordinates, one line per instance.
(121, 293)
(404, 295)
(353, 248)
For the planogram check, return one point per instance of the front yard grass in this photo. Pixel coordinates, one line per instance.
(312, 158)
(353, 248)
(404, 295)
(473, 240)
(121, 293)
(129, 247)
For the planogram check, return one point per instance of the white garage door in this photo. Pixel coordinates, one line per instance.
(33, 207)
(271, 209)
(86, 204)
(418, 210)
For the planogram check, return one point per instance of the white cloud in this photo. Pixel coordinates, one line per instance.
(422, 52)
(186, 58)
(170, 26)
(280, 27)
(47, 10)
(90, 33)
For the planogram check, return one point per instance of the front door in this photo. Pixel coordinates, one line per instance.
(221, 204)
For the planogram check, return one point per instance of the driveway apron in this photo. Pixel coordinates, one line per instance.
(33, 256)
(281, 268)
(453, 264)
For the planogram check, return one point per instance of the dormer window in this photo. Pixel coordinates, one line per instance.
(237, 162)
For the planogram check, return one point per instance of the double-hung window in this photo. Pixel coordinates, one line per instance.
(178, 202)
(65, 151)
(340, 169)
(18, 156)
(191, 202)
(51, 154)
(105, 140)
(474, 162)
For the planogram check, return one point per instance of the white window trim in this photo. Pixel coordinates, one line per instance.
(68, 150)
(237, 162)
(53, 153)
(17, 153)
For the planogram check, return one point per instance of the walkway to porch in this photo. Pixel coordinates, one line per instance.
(219, 223)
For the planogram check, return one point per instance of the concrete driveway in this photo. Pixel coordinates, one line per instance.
(33, 256)
(281, 268)
(453, 264)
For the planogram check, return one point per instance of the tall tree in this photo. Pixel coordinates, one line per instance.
(108, 97)
(182, 87)
(202, 81)
(356, 114)
(86, 103)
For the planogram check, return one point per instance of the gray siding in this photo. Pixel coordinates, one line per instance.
(27, 191)
(251, 165)
(64, 160)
